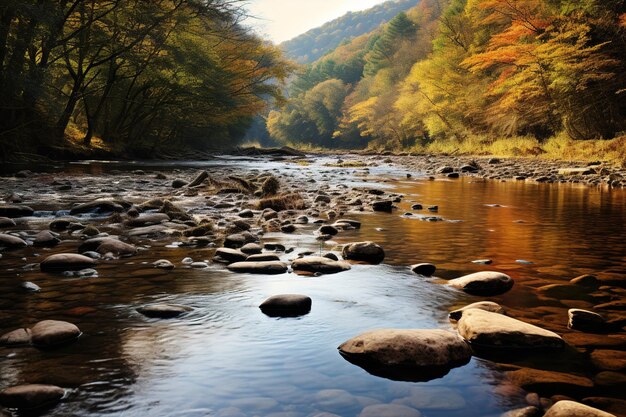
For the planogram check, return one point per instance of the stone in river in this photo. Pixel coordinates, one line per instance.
(286, 305)
(288, 228)
(262, 257)
(229, 255)
(389, 410)
(369, 252)
(16, 338)
(31, 396)
(319, 264)
(164, 311)
(251, 249)
(531, 411)
(328, 230)
(483, 262)
(481, 305)
(267, 268)
(573, 409)
(66, 262)
(163, 264)
(384, 206)
(492, 330)
(46, 238)
(586, 321)
(433, 398)
(484, 283)
(425, 269)
(30, 286)
(6, 222)
(104, 245)
(14, 211)
(178, 183)
(51, 333)
(590, 282)
(147, 219)
(411, 355)
(11, 242)
(98, 206)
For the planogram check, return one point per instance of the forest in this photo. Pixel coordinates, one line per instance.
(450, 75)
(130, 76)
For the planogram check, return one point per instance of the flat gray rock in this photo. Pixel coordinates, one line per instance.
(267, 268)
(319, 264)
(414, 355)
(486, 283)
(492, 330)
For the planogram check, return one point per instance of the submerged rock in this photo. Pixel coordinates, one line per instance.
(484, 283)
(531, 411)
(51, 333)
(389, 410)
(31, 396)
(486, 329)
(481, 305)
(549, 382)
(268, 268)
(319, 264)
(286, 305)
(66, 262)
(414, 355)
(369, 252)
(164, 311)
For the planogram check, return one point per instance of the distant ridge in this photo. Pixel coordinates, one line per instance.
(315, 43)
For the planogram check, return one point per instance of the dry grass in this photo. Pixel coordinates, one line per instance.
(282, 202)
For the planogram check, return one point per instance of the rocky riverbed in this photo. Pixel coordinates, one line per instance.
(97, 256)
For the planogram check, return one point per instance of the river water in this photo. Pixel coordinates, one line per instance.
(226, 358)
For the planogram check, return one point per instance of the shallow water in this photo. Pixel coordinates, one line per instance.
(228, 359)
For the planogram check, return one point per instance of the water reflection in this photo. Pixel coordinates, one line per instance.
(227, 358)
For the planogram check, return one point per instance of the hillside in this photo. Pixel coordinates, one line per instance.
(479, 76)
(313, 44)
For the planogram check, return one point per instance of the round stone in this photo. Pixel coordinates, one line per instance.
(286, 305)
(51, 333)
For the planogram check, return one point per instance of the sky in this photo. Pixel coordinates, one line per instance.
(281, 20)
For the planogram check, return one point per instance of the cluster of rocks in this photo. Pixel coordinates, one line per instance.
(516, 169)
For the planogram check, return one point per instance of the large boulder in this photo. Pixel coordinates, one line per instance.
(481, 305)
(66, 262)
(51, 333)
(104, 245)
(11, 242)
(369, 252)
(492, 330)
(573, 409)
(486, 283)
(266, 268)
(31, 396)
(286, 305)
(164, 311)
(14, 211)
(319, 264)
(414, 355)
